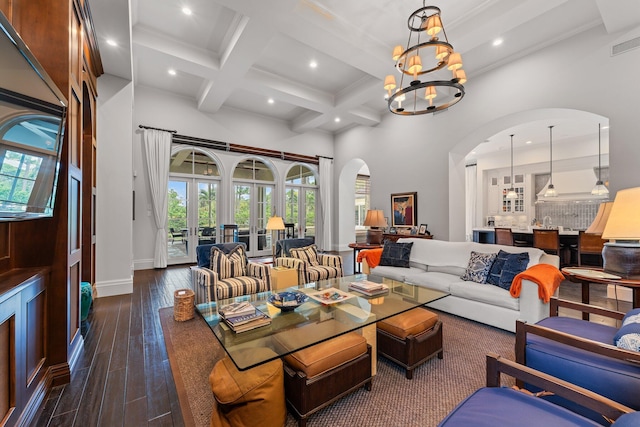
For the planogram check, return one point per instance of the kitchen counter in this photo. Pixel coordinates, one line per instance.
(527, 230)
(487, 235)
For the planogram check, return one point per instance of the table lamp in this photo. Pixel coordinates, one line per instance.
(599, 222)
(621, 255)
(276, 224)
(374, 220)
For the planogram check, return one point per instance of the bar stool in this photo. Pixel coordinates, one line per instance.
(504, 236)
(590, 244)
(549, 241)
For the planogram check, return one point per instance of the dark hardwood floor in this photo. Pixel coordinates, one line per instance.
(123, 376)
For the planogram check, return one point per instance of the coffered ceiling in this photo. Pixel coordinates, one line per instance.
(240, 53)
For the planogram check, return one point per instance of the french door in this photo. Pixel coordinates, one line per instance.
(300, 210)
(253, 204)
(192, 217)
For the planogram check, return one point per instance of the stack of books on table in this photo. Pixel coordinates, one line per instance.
(242, 316)
(368, 287)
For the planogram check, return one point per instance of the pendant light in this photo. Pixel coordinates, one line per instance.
(600, 189)
(551, 191)
(511, 194)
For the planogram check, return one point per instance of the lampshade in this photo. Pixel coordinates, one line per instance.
(275, 223)
(415, 65)
(375, 218)
(442, 52)
(461, 76)
(455, 61)
(430, 92)
(397, 51)
(600, 221)
(390, 83)
(434, 25)
(624, 219)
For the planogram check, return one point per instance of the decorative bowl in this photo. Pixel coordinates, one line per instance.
(287, 301)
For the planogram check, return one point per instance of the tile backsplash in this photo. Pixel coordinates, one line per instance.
(570, 214)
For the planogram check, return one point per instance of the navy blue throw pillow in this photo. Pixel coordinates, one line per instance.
(496, 268)
(515, 263)
(396, 254)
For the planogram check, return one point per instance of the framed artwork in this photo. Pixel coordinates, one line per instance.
(422, 229)
(404, 207)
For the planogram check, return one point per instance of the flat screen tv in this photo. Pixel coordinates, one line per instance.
(32, 119)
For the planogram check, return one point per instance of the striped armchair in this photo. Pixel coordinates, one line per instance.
(224, 272)
(311, 265)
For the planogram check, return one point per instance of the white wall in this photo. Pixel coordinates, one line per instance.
(163, 110)
(114, 247)
(426, 153)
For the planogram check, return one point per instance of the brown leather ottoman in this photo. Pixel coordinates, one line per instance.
(251, 397)
(410, 338)
(319, 375)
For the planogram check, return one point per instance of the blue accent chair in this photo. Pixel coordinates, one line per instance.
(582, 353)
(501, 406)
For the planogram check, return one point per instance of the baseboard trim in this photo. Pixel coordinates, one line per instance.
(59, 374)
(621, 293)
(143, 264)
(27, 417)
(114, 287)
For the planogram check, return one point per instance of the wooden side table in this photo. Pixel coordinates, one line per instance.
(283, 277)
(357, 247)
(585, 276)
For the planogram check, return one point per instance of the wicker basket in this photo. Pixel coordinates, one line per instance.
(183, 304)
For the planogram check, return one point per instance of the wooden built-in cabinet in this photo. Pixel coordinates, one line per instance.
(40, 315)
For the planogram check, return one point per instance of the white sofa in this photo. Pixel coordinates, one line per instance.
(439, 265)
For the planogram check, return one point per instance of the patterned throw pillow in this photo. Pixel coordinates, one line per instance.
(396, 254)
(228, 265)
(479, 267)
(628, 336)
(515, 263)
(308, 254)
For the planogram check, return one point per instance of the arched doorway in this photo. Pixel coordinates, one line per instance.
(300, 200)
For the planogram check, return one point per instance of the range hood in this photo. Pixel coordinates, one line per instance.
(572, 185)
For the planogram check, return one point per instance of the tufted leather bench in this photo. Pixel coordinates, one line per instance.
(410, 338)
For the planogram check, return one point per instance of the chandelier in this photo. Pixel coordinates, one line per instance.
(429, 87)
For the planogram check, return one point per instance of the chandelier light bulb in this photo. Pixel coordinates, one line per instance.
(442, 52)
(389, 83)
(434, 25)
(455, 61)
(460, 75)
(415, 66)
(397, 51)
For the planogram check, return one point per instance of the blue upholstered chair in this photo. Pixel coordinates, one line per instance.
(222, 278)
(302, 255)
(501, 406)
(582, 353)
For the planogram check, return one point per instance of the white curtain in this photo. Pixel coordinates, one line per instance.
(323, 237)
(471, 197)
(157, 146)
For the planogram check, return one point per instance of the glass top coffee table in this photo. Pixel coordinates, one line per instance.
(314, 321)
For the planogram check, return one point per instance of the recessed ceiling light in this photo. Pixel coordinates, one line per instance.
(112, 42)
(186, 11)
(337, 120)
(497, 42)
(528, 142)
(473, 152)
(605, 127)
(172, 71)
(270, 101)
(313, 64)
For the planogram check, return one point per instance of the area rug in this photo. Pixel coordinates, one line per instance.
(436, 387)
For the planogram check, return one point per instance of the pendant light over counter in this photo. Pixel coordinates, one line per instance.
(600, 189)
(551, 191)
(511, 194)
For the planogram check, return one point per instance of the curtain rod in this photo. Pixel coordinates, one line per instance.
(150, 127)
(324, 157)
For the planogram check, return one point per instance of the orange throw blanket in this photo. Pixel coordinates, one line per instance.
(546, 276)
(371, 255)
